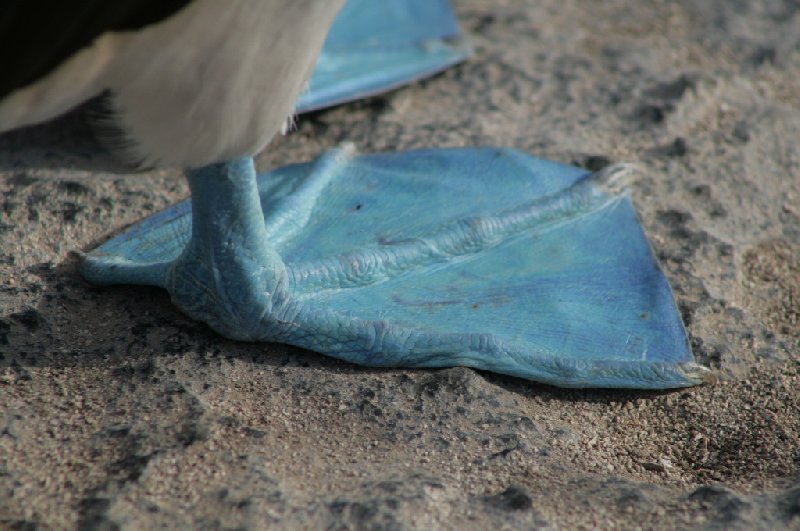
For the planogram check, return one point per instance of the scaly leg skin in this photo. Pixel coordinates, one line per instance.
(228, 275)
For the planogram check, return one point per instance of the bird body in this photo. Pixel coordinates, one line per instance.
(213, 81)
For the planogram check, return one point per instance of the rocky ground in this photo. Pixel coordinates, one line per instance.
(117, 411)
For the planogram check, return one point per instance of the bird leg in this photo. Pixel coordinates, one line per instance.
(228, 275)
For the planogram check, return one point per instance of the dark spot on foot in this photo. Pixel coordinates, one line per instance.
(592, 162)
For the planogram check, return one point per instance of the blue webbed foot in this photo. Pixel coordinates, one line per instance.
(486, 258)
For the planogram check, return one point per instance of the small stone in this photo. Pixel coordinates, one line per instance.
(653, 467)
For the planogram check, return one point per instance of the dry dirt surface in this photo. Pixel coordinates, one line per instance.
(118, 412)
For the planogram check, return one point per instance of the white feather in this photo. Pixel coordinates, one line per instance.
(214, 82)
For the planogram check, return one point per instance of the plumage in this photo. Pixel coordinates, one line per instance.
(212, 81)
(38, 35)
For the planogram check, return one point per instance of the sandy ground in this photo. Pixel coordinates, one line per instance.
(117, 411)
